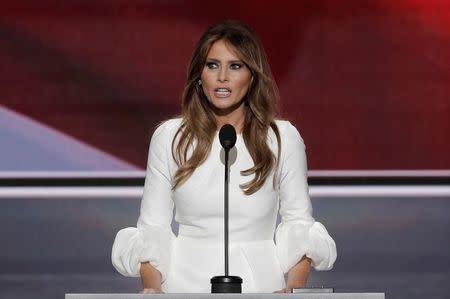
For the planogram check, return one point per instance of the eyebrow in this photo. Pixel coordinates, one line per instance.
(230, 61)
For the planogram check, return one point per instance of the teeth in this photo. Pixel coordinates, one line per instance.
(222, 92)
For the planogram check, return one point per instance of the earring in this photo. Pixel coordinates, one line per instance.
(199, 82)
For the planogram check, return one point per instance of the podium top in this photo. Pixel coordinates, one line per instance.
(230, 296)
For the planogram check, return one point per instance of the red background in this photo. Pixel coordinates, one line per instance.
(366, 82)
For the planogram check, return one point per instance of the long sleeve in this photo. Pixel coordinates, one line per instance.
(152, 239)
(298, 234)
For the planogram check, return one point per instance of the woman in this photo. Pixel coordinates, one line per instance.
(229, 81)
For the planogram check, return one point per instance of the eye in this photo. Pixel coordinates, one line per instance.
(235, 66)
(211, 65)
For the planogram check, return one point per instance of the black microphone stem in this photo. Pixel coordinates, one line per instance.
(226, 212)
(226, 283)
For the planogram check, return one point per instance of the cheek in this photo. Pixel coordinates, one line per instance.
(244, 85)
(243, 81)
(206, 82)
(205, 87)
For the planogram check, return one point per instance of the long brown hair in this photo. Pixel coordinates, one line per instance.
(199, 126)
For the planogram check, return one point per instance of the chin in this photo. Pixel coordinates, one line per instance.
(225, 106)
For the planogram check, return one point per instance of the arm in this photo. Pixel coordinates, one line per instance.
(298, 274)
(301, 242)
(156, 211)
(146, 250)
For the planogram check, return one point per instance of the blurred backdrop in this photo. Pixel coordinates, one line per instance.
(366, 82)
(84, 83)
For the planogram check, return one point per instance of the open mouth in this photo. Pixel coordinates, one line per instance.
(222, 92)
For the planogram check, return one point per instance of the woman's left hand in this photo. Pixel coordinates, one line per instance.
(282, 291)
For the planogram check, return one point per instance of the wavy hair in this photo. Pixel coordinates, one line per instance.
(192, 142)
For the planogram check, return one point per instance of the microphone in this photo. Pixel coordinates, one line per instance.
(227, 137)
(226, 283)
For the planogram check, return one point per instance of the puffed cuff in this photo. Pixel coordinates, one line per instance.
(133, 247)
(295, 239)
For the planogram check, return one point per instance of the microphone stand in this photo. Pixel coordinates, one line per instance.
(226, 283)
(225, 218)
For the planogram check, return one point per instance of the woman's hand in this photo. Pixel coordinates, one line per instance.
(283, 291)
(151, 291)
(151, 279)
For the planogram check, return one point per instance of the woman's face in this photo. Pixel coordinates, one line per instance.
(225, 79)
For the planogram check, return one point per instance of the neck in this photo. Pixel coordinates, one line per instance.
(236, 118)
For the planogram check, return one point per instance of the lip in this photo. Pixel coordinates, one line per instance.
(222, 92)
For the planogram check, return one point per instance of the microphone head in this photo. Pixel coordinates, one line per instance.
(227, 136)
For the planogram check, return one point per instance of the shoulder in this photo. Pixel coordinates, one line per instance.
(167, 129)
(288, 132)
(161, 140)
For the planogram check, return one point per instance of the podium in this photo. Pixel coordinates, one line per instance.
(230, 296)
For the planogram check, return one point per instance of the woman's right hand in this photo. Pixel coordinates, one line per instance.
(151, 291)
(151, 279)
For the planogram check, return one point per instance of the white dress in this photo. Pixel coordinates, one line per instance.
(188, 261)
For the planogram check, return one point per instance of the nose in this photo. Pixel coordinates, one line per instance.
(222, 75)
